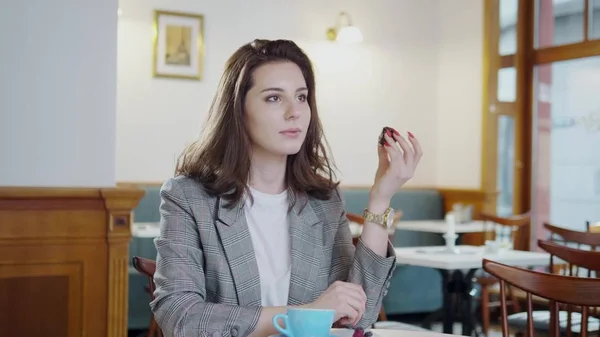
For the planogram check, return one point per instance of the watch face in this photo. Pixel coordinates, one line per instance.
(390, 218)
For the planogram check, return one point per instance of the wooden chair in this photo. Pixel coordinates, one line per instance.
(573, 260)
(147, 267)
(566, 237)
(573, 237)
(576, 260)
(573, 257)
(581, 292)
(518, 227)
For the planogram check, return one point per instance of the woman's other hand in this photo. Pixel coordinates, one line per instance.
(347, 299)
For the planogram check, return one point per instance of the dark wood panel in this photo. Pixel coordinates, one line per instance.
(34, 306)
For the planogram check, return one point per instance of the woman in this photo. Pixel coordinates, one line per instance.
(253, 222)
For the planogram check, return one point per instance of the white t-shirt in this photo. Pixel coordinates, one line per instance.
(268, 222)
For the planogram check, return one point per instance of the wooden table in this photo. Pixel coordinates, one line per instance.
(457, 282)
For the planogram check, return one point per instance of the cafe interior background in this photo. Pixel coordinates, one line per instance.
(97, 104)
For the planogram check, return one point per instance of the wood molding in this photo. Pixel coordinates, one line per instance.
(72, 242)
(566, 52)
(477, 198)
(138, 184)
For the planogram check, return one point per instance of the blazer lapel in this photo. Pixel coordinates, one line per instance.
(306, 239)
(237, 243)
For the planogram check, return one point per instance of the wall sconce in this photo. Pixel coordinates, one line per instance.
(344, 32)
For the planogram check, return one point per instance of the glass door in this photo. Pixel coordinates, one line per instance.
(567, 142)
(566, 114)
(541, 117)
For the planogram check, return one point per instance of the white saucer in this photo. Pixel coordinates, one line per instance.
(341, 333)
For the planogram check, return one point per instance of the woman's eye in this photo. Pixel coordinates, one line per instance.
(302, 98)
(273, 98)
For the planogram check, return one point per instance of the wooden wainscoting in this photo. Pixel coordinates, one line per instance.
(476, 197)
(64, 261)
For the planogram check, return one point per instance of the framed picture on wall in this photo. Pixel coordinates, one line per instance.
(178, 45)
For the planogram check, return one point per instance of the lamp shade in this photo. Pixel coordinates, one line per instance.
(349, 34)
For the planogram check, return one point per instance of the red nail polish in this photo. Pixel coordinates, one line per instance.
(411, 135)
(396, 132)
(388, 133)
(386, 143)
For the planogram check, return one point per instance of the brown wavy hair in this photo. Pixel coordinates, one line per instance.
(220, 158)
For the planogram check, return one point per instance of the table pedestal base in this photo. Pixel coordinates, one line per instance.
(457, 291)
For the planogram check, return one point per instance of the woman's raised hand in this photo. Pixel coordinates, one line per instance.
(398, 160)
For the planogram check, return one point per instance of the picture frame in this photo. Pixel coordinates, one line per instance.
(178, 45)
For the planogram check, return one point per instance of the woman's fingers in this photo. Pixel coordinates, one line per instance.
(394, 151)
(349, 314)
(357, 300)
(417, 146)
(409, 154)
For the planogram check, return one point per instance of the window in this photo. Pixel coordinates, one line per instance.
(542, 115)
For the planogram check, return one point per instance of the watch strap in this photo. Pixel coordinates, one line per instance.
(379, 219)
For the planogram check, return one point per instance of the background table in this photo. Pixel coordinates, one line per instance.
(455, 281)
(440, 226)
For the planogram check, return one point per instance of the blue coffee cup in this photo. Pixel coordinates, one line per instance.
(300, 322)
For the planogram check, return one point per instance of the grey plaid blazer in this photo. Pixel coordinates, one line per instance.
(207, 281)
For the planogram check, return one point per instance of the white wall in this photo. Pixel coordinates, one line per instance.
(58, 93)
(390, 79)
(459, 95)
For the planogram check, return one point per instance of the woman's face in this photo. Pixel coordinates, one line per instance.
(277, 110)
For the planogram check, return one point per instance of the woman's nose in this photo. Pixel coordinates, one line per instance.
(292, 111)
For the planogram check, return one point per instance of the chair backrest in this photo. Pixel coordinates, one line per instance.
(567, 236)
(146, 267)
(517, 225)
(558, 289)
(575, 258)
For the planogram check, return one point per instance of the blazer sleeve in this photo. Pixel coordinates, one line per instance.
(179, 307)
(361, 265)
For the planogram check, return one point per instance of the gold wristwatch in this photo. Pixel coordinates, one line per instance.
(385, 220)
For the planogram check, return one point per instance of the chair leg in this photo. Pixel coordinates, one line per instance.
(485, 310)
(153, 330)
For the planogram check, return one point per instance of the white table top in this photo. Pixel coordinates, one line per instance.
(470, 257)
(439, 226)
(145, 229)
(388, 333)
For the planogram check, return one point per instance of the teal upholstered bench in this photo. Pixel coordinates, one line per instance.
(412, 289)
